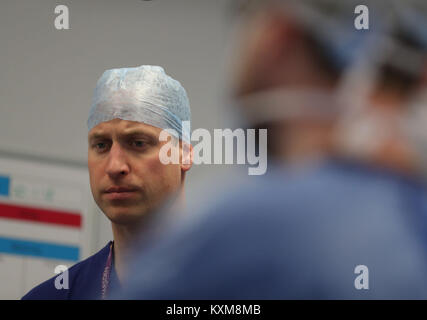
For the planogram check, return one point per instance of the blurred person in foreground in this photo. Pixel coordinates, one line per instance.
(129, 182)
(342, 212)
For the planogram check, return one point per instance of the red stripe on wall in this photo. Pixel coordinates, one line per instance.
(18, 212)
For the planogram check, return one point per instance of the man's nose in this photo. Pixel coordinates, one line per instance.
(117, 165)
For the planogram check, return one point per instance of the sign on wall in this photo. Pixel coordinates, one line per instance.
(45, 221)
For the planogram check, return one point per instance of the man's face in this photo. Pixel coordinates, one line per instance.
(127, 178)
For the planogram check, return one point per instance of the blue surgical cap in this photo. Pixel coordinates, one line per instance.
(144, 94)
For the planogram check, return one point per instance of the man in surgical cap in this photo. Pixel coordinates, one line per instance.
(342, 212)
(131, 111)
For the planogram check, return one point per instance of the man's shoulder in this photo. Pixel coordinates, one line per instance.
(83, 280)
(329, 183)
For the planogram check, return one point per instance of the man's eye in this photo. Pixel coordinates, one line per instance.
(100, 146)
(138, 143)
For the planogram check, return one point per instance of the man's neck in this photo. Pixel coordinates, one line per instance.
(124, 238)
(127, 235)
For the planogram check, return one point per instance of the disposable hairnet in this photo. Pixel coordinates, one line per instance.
(331, 24)
(145, 94)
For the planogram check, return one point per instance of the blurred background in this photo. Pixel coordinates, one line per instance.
(47, 81)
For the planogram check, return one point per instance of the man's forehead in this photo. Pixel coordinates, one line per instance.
(124, 127)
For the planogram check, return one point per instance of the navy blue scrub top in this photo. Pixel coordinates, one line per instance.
(85, 280)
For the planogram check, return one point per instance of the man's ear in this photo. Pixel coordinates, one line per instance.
(187, 156)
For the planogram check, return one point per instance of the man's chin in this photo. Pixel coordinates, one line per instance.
(126, 217)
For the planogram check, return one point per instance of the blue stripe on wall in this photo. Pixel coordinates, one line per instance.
(4, 186)
(38, 249)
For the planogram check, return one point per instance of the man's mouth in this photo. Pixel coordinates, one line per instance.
(120, 193)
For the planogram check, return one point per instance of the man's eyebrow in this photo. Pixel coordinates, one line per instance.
(138, 132)
(124, 134)
(97, 135)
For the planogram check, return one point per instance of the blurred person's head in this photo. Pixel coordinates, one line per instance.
(298, 54)
(280, 63)
(276, 50)
(130, 109)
